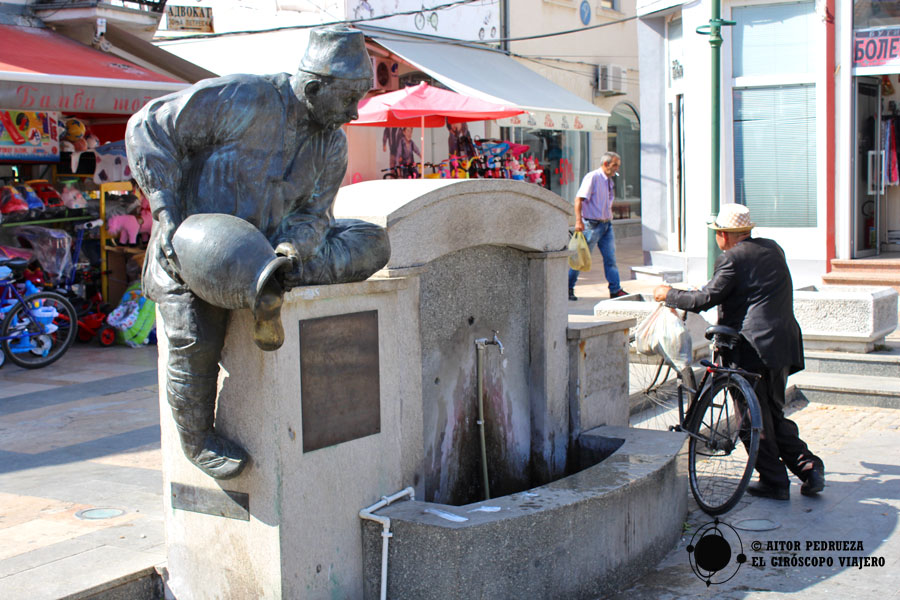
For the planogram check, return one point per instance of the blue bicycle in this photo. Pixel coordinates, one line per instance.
(37, 327)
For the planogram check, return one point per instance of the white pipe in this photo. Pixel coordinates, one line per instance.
(368, 513)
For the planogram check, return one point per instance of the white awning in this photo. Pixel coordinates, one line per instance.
(258, 53)
(494, 76)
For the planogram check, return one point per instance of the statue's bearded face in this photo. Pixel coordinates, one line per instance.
(333, 102)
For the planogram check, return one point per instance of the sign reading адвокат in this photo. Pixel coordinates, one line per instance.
(876, 47)
(189, 18)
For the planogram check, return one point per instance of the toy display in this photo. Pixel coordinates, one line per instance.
(75, 131)
(112, 163)
(35, 205)
(48, 194)
(533, 172)
(73, 198)
(12, 205)
(135, 318)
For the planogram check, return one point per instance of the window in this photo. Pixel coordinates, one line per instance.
(773, 39)
(775, 154)
(775, 113)
(624, 138)
(875, 13)
(562, 154)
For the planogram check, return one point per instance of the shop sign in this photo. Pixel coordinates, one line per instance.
(876, 47)
(555, 121)
(189, 18)
(74, 98)
(29, 136)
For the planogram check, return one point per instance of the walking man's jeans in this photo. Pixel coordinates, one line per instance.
(600, 234)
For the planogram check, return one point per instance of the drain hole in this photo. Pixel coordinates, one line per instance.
(96, 514)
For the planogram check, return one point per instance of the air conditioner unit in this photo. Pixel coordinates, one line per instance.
(387, 74)
(610, 79)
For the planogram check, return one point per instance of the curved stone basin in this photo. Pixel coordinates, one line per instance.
(581, 536)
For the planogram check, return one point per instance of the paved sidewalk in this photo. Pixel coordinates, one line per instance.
(860, 504)
(78, 435)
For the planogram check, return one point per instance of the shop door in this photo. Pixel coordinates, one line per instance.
(868, 187)
(677, 206)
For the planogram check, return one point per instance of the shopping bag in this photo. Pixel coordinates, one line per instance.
(581, 257)
(665, 334)
(645, 334)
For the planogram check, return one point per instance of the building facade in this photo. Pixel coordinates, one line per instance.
(807, 100)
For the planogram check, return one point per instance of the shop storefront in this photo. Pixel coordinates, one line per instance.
(556, 129)
(63, 108)
(875, 125)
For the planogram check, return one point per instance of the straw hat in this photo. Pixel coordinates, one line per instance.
(734, 218)
(338, 52)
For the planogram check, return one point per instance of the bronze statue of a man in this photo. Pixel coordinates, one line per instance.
(269, 150)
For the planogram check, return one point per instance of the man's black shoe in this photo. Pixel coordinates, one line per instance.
(814, 483)
(764, 490)
(572, 296)
(619, 294)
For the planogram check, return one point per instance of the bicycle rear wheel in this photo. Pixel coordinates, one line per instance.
(34, 344)
(723, 443)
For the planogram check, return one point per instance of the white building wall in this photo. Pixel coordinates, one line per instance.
(804, 247)
(614, 44)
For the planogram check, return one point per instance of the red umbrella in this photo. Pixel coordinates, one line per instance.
(427, 106)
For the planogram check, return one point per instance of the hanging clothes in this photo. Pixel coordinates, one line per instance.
(894, 170)
(890, 166)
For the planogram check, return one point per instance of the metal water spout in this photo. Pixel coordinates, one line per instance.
(480, 344)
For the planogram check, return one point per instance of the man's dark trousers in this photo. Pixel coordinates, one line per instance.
(780, 445)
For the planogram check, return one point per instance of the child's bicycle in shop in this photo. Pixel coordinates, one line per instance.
(36, 327)
(722, 419)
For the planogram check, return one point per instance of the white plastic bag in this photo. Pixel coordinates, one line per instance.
(665, 334)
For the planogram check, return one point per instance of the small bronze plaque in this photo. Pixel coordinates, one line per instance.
(209, 501)
(339, 381)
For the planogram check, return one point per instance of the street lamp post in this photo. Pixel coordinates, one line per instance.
(714, 31)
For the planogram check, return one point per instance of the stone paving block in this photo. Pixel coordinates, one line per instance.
(68, 575)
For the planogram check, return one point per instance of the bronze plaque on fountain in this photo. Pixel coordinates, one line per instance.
(339, 381)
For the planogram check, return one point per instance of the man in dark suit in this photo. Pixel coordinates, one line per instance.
(752, 287)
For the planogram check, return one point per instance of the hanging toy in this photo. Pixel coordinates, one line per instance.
(887, 88)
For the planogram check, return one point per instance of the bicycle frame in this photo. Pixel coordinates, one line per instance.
(10, 302)
(711, 374)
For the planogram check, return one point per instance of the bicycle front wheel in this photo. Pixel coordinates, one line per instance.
(32, 342)
(653, 394)
(723, 443)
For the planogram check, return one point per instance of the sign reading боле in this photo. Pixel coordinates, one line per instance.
(189, 18)
(876, 47)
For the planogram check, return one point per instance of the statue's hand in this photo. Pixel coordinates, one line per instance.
(291, 278)
(167, 257)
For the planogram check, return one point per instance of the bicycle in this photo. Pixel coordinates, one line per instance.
(37, 328)
(402, 171)
(722, 419)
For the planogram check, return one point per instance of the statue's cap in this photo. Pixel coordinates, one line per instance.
(338, 52)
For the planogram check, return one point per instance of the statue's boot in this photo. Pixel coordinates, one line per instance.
(213, 454)
(268, 333)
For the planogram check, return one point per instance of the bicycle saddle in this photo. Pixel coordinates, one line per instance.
(725, 336)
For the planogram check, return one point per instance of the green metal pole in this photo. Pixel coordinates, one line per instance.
(714, 31)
